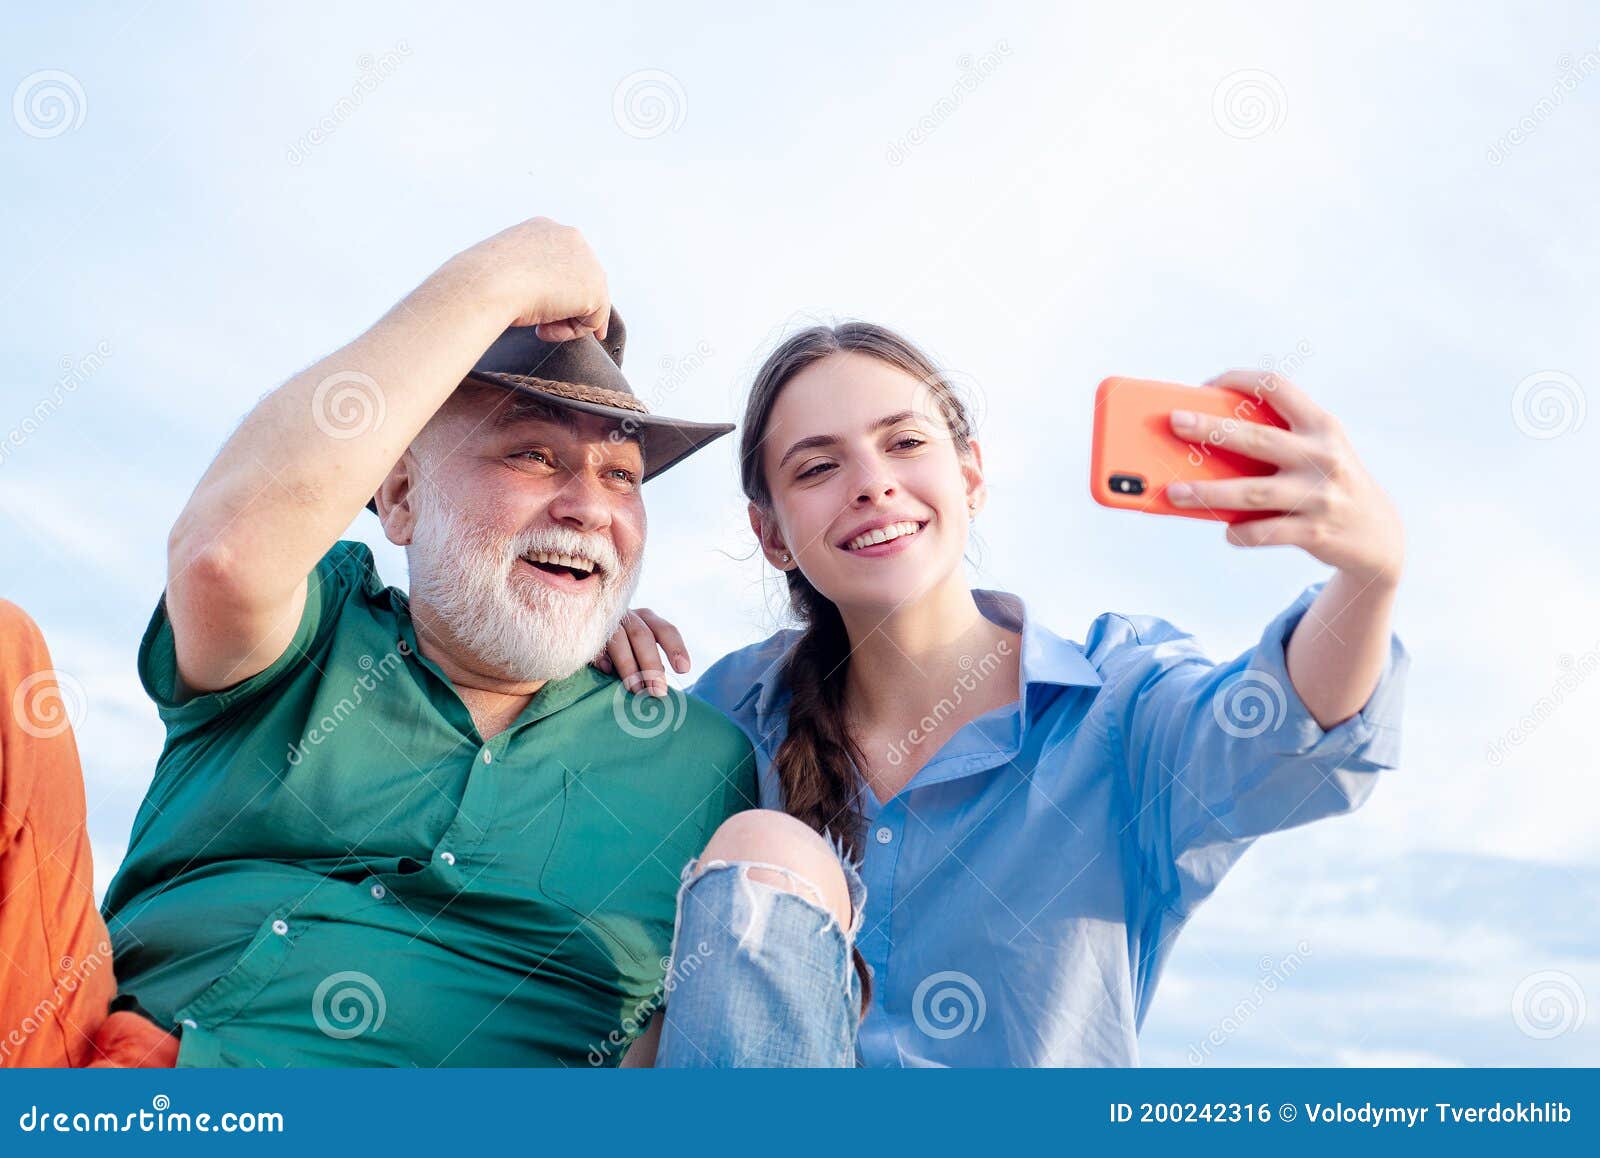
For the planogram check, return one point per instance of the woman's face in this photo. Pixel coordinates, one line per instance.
(870, 496)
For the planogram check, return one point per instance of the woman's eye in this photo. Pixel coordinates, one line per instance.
(815, 470)
(909, 442)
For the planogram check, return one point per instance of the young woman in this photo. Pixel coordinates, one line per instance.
(1025, 821)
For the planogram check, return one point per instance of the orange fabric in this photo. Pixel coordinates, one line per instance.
(127, 1041)
(56, 977)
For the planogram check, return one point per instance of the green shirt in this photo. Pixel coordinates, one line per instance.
(332, 867)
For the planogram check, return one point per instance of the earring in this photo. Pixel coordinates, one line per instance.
(786, 556)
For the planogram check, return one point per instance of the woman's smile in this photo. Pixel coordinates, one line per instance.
(882, 537)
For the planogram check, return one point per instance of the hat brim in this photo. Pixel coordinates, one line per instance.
(664, 442)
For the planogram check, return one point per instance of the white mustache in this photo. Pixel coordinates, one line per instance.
(562, 541)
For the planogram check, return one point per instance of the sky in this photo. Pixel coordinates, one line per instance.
(1392, 203)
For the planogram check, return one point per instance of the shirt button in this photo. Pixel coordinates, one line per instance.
(488, 757)
(885, 834)
(448, 857)
(280, 927)
(378, 891)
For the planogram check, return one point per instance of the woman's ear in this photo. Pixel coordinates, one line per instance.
(972, 475)
(767, 534)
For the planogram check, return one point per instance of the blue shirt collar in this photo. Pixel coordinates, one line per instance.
(1047, 659)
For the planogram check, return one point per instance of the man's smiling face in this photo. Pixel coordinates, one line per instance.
(524, 527)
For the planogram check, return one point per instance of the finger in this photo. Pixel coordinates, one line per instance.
(563, 331)
(669, 638)
(1273, 492)
(1283, 531)
(1242, 436)
(598, 320)
(620, 649)
(1293, 403)
(652, 671)
(603, 662)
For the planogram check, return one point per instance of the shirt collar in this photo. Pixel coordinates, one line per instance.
(1047, 659)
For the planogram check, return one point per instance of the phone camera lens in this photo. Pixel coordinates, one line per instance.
(1127, 484)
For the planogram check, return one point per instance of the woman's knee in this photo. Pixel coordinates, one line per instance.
(805, 863)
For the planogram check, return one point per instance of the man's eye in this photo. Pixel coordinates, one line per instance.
(625, 475)
(533, 455)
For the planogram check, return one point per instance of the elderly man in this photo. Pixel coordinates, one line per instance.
(387, 830)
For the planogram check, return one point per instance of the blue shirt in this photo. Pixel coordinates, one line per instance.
(1024, 888)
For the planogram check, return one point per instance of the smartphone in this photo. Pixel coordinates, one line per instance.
(1136, 456)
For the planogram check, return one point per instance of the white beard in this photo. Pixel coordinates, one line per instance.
(512, 624)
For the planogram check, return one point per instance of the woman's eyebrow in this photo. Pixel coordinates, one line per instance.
(816, 440)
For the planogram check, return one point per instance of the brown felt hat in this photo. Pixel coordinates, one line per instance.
(586, 374)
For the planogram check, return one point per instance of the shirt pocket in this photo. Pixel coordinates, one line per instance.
(322, 914)
(625, 834)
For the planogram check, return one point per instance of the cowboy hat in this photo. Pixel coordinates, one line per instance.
(586, 374)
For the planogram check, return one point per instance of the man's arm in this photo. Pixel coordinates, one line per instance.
(293, 476)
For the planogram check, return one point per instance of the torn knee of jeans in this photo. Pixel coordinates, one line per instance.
(761, 892)
(803, 886)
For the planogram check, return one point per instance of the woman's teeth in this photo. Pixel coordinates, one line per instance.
(882, 535)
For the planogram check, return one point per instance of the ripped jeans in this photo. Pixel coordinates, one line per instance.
(760, 977)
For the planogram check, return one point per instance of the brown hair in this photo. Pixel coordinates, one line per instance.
(817, 761)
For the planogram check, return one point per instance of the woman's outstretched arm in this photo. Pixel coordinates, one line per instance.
(1332, 509)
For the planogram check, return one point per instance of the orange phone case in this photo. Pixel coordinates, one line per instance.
(1134, 446)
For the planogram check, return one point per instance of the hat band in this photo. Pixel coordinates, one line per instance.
(579, 392)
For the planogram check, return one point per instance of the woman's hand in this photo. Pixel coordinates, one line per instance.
(1332, 508)
(634, 653)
